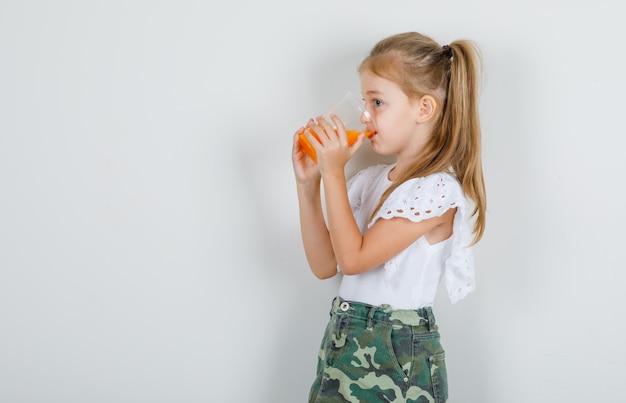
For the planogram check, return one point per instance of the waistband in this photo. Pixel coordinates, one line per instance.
(385, 313)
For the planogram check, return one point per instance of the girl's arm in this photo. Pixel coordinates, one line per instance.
(356, 253)
(315, 236)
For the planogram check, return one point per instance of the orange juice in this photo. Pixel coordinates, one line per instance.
(310, 151)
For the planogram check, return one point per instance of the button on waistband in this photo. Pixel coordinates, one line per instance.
(344, 306)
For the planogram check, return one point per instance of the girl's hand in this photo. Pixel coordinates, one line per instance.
(304, 168)
(333, 151)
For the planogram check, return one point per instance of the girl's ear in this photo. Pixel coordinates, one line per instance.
(427, 107)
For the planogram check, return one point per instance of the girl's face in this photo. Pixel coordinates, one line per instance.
(394, 117)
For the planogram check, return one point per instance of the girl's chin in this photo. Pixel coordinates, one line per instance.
(378, 149)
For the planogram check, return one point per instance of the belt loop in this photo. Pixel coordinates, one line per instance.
(432, 326)
(334, 305)
(370, 317)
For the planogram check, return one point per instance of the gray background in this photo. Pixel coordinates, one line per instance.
(149, 237)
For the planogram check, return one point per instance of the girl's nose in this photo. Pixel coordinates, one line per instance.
(366, 117)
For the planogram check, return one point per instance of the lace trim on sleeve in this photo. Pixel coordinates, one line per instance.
(422, 198)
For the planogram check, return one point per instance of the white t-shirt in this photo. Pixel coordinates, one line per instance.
(410, 279)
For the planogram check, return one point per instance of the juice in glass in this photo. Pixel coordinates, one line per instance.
(306, 146)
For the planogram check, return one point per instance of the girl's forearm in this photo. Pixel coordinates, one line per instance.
(345, 236)
(315, 237)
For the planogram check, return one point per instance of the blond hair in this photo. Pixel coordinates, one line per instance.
(420, 66)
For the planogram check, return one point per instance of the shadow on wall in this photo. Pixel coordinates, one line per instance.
(297, 300)
(300, 300)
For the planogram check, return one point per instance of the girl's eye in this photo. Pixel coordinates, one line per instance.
(374, 102)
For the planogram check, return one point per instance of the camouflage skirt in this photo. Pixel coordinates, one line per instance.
(377, 354)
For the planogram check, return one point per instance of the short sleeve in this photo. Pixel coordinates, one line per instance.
(423, 198)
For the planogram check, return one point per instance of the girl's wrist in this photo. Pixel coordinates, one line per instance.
(313, 181)
(310, 189)
(334, 175)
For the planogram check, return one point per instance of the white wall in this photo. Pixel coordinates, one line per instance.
(149, 238)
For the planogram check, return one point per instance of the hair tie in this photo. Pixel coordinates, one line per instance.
(447, 51)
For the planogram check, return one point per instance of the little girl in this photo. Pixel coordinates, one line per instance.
(394, 231)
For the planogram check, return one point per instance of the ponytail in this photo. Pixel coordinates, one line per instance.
(460, 122)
